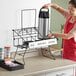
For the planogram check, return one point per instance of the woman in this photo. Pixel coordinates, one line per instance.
(69, 35)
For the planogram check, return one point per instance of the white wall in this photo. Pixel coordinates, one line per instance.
(10, 17)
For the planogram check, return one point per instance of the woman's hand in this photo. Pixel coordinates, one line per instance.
(49, 36)
(47, 5)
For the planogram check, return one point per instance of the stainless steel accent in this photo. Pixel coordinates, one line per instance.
(43, 23)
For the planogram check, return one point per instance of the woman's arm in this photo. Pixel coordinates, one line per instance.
(69, 35)
(58, 8)
(60, 35)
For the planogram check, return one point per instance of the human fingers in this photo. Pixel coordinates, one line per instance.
(48, 36)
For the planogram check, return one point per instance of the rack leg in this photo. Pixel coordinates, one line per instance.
(52, 56)
(15, 54)
(24, 57)
(47, 53)
(22, 54)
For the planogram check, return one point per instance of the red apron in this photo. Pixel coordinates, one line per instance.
(69, 46)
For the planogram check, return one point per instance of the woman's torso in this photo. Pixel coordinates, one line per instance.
(69, 46)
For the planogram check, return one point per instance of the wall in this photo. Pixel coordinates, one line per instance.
(10, 17)
(57, 19)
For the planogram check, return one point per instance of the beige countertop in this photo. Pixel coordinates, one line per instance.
(39, 64)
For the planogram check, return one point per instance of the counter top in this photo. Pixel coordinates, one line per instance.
(39, 64)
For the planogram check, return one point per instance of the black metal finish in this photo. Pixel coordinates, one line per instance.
(22, 11)
(44, 14)
(11, 68)
(22, 37)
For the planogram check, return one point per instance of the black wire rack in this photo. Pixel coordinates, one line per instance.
(22, 38)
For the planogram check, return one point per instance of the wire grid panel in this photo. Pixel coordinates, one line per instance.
(28, 18)
(24, 35)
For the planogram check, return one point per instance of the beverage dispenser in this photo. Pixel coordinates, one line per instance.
(43, 23)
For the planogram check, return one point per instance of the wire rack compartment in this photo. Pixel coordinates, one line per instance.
(21, 37)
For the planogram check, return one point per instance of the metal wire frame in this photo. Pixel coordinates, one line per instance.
(22, 37)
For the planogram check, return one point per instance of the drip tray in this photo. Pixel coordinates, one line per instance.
(13, 66)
